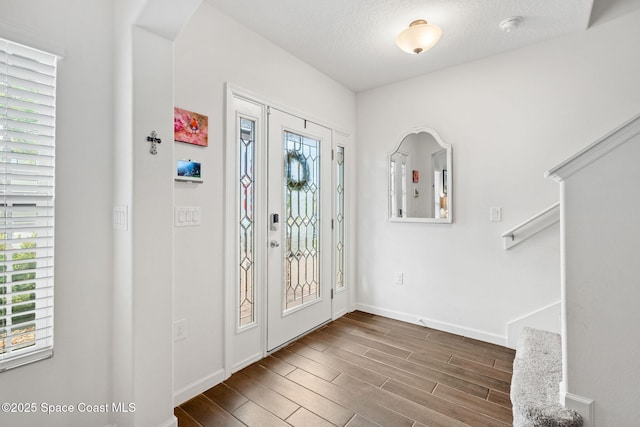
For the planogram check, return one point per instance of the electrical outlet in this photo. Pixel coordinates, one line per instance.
(398, 278)
(180, 329)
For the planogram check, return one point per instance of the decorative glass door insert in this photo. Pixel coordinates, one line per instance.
(246, 146)
(340, 254)
(301, 210)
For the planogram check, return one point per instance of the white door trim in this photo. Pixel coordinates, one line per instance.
(230, 277)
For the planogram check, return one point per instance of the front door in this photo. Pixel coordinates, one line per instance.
(299, 227)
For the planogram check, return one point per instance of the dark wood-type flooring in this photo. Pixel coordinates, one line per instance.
(365, 370)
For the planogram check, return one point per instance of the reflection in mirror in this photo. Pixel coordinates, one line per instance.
(420, 179)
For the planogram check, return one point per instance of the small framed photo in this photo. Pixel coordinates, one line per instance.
(189, 171)
(416, 177)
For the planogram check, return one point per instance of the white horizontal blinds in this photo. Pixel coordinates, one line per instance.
(27, 137)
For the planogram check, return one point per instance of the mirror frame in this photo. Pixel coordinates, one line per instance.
(449, 149)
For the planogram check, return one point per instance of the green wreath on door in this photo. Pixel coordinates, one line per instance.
(303, 178)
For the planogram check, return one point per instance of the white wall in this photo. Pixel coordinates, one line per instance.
(509, 118)
(80, 370)
(601, 233)
(211, 51)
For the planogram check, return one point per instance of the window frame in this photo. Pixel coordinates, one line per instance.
(28, 79)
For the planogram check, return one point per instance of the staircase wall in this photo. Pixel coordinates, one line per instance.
(600, 223)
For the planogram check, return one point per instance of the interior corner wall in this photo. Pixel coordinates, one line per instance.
(211, 51)
(125, 12)
(152, 221)
(80, 370)
(509, 119)
(601, 205)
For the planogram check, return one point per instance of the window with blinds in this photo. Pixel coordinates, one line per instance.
(27, 148)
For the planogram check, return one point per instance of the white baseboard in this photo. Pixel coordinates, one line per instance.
(197, 387)
(435, 324)
(582, 405)
(246, 362)
(339, 314)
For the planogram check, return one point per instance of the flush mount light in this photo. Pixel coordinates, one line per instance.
(419, 37)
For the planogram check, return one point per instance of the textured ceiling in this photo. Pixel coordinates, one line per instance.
(353, 41)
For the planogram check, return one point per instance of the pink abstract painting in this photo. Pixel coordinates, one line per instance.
(190, 127)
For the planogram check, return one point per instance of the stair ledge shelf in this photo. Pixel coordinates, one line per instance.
(598, 149)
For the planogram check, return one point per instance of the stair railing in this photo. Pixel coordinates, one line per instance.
(532, 226)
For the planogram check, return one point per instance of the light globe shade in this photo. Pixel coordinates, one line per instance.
(419, 37)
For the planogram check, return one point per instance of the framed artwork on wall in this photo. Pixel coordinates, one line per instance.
(189, 171)
(416, 177)
(190, 127)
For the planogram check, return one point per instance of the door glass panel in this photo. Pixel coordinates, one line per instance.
(246, 222)
(340, 217)
(301, 275)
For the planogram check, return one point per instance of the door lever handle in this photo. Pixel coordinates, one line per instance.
(274, 244)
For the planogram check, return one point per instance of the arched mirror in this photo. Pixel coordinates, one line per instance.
(420, 173)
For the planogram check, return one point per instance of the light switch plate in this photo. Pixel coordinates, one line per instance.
(495, 214)
(121, 217)
(188, 216)
(398, 278)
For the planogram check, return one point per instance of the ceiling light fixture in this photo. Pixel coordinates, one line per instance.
(419, 37)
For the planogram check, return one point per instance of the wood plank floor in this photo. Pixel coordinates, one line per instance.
(365, 370)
